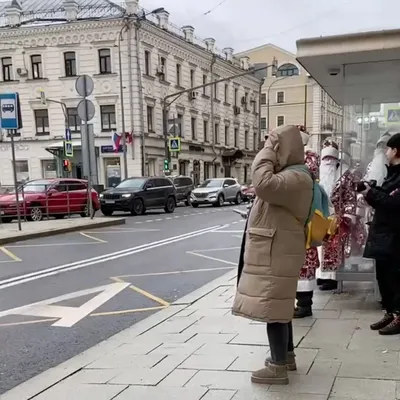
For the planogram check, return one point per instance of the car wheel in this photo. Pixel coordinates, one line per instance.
(107, 212)
(194, 205)
(170, 205)
(86, 211)
(239, 198)
(187, 201)
(220, 200)
(137, 207)
(36, 213)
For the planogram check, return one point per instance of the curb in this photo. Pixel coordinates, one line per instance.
(38, 384)
(59, 231)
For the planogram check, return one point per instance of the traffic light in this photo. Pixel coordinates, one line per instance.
(67, 167)
(166, 165)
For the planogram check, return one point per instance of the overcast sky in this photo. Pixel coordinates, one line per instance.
(243, 24)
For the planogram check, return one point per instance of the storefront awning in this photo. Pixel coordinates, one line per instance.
(351, 68)
(60, 145)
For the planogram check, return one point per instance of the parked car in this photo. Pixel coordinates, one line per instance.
(184, 186)
(48, 197)
(216, 192)
(136, 195)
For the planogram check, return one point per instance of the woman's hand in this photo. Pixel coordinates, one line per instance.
(366, 190)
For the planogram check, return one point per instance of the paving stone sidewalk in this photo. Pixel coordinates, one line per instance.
(9, 233)
(196, 350)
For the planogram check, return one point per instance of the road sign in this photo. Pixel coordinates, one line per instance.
(393, 116)
(174, 144)
(68, 136)
(84, 85)
(68, 149)
(9, 103)
(82, 112)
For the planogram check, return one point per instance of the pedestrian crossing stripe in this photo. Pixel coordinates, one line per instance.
(175, 144)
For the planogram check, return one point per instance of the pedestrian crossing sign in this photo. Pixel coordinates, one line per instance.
(393, 116)
(68, 149)
(174, 144)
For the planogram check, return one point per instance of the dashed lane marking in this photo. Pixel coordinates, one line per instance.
(212, 258)
(92, 237)
(10, 254)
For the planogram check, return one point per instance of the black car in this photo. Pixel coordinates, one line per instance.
(184, 186)
(136, 195)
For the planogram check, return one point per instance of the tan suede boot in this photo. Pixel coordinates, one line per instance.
(291, 361)
(271, 375)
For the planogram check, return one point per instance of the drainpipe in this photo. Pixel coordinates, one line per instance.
(130, 84)
(213, 61)
(141, 105)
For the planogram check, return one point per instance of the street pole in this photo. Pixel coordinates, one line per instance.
(89, 154)
(121, 94)
(305, 105)
(259, 110)
(12, 133)
(268, 99)
(166, 104)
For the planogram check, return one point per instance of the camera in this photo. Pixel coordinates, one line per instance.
(361, 186)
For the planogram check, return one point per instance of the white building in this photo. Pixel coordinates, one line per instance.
(220, 133)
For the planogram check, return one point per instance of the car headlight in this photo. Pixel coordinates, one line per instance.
(101, 195)
(126, 195)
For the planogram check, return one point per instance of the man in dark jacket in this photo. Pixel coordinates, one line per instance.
(384, 239)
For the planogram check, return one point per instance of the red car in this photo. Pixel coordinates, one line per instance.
(48, 197)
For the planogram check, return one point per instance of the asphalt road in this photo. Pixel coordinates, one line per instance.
(92, 284)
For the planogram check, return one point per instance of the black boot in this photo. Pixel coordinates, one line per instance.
(393, 328)
(383, 323)
(304, 304)
(329, 285)
(320, 282)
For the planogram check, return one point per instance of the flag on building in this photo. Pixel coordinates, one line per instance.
(116, 138)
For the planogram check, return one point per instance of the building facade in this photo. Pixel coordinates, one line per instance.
(293, 97)
(218, 125)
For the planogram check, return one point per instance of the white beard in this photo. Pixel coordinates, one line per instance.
(377, 168)
(328, 175)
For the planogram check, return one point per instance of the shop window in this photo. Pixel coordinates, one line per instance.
(49, 169)
(22, 169)
(112, 167)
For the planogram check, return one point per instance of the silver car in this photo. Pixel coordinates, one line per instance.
(216, 192)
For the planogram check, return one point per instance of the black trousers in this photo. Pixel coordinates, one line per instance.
(280, 337)
(388, 277)
(304, 299)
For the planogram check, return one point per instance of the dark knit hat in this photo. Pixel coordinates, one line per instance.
(394, 142)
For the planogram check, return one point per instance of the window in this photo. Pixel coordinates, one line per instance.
(105, 61)
(150, 119)
(280, 97)
(180, 125)
(246, 101)
(205, 130)
(147, 65)
(280, 120)
(216, 133)
(204, 82)
(74, 121)
(236, 96)
(263, 123)
(6, 67)
(255, 141)
(216, 168)
(42, 122)
(108, 120)
(246, 139)
(263, 98)
(216, 89)
(178, 74)
(193, 123)
(236, 143)
(226, 93)
(22, 170)
(36, 63)
(49, 169)
(70, 63)
(192, 78)
(287, 70)
(163, 71)
(226, 139)
(75, 185)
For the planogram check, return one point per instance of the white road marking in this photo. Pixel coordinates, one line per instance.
(149, 220)
(223, 231)
(237, 236)
(218, 249)
(124, 231)
(158, 219)
(69, 316)
(212, 258)
(18, 280)
(168, 218)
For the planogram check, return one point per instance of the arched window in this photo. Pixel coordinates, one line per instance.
(288, 70)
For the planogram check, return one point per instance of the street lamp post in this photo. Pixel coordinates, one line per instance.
(176, 95)
(259, 109)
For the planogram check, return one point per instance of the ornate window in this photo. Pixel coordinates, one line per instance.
(288, 70)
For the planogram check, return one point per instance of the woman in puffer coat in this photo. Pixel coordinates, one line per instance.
(274, 249)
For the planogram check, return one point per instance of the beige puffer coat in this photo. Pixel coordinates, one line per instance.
(275, 238)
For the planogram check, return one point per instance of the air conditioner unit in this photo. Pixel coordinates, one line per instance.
(236, 110)
(193, 95)
(160, 70)
(22, 71)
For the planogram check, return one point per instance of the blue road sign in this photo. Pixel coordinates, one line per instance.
(174, 144)
(68, 136)
(69, 150)
(9, 111)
